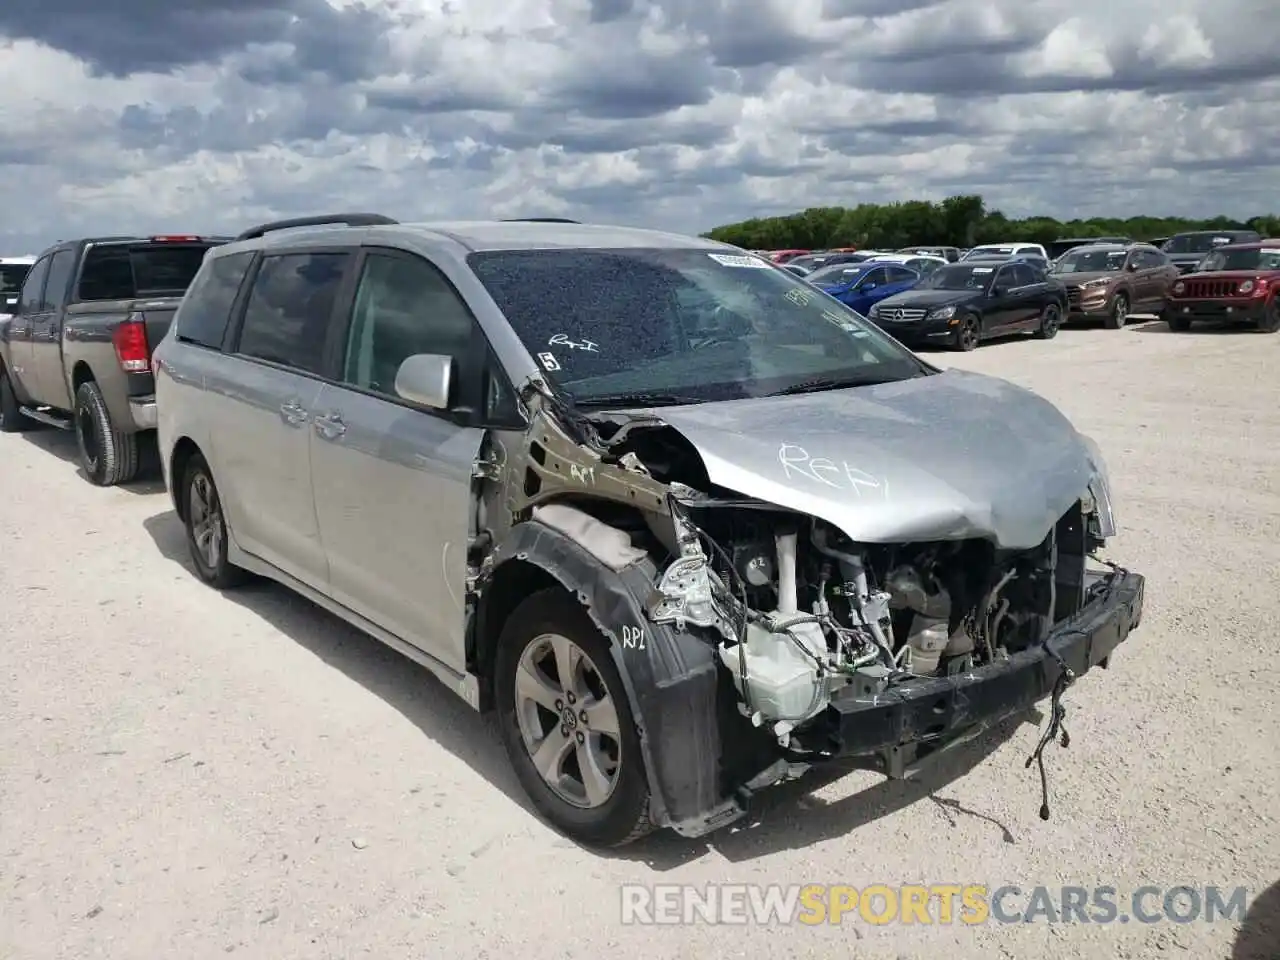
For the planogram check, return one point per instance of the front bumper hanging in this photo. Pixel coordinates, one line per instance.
(903, 726)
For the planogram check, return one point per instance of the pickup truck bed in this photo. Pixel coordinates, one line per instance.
(77, 355)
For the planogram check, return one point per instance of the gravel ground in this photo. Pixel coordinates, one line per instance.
(184, 774)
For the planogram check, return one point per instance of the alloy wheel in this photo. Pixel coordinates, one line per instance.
(206, 520)
(568, 721)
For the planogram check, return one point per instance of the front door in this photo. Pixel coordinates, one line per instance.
(46, 334)
(1001, 312)
(21, 369)
(263, 401)
(392, 481)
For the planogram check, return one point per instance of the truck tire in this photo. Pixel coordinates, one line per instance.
(1177, 322)
(107, 455)
(543, 626)
(11, 417)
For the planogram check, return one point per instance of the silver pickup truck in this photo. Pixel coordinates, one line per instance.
(76, 352)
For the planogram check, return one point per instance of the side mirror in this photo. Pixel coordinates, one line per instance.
(426, 379)
(865, 286)
(1131, 266)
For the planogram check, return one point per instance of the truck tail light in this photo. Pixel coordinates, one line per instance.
(132, 349)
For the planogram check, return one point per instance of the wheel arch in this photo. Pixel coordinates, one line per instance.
(81, 374)
(183, 451)
(670, 677)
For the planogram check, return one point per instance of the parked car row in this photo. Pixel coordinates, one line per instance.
(630, 490)
(1002, 289)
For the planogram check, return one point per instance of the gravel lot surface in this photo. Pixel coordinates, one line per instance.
(189, 775)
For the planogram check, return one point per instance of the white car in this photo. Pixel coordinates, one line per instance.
(1007, 250)
(13, 270)
(924, 264)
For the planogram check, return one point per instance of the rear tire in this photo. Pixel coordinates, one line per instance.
(968, 333)
(1050, 322)
(541, 628)
(12, 419)
(1119, 314)
(107, 455)
(206, 526)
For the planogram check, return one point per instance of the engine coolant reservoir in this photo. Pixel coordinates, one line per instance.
(782, 680)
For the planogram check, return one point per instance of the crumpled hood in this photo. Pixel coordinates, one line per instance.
(943, 457)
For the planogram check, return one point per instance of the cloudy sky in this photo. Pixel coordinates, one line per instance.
(177, 115)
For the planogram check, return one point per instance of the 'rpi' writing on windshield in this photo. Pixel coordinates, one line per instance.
(841, 475)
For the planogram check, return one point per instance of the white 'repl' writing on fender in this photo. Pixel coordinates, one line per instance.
(632, 638)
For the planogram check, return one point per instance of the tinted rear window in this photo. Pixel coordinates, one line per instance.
(120, 271)
(11, 277)
(205, 311)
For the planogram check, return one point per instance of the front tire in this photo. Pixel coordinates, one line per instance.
(207, 527)
(566, 723)
(968, 333)
(1270, 322)
(11, 416)
(1177, 322)
(1119, 314)
(107, 455)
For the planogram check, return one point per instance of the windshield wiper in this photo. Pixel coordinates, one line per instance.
(636, 399)
(818, 384)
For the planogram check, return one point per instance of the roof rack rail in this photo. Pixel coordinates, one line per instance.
(539, 220)
(347, 219)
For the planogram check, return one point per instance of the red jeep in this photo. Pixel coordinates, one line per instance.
(1240, 282)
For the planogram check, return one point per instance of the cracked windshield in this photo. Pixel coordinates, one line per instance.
(681, 325)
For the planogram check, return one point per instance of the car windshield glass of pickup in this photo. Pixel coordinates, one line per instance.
(11, 277)
(1091, 261)
(1254, 259)
(1195, 243)
(666, 326)
(959, 277)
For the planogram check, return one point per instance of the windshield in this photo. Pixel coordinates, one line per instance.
(841, 273)
(954, 276)
(1196, 242)
(1241, 260)
(694, 324)
(988, 252)
(11, 277)
(1091, 261)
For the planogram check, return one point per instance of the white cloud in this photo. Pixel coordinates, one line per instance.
(680, 113)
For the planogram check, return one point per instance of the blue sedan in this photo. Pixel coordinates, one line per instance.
(861, 285)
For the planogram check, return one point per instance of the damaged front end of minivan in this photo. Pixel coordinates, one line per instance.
(869, 575)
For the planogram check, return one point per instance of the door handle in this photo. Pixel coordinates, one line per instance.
(293, 413)
(331, 426)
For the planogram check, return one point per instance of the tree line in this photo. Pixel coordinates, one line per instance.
(961, 221)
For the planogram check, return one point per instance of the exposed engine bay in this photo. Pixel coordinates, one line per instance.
(797, 610)
(803, 612)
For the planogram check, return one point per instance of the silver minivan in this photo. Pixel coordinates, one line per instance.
(689, 525)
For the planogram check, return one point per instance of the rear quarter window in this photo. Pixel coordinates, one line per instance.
(205, 311)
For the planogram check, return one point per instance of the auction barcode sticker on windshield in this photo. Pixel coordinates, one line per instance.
(729, 260)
